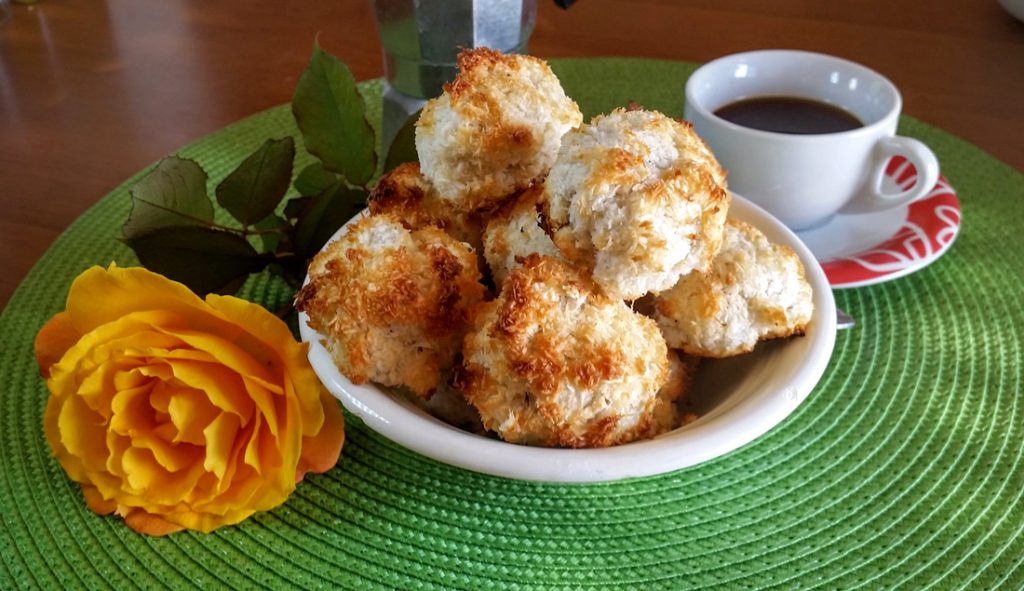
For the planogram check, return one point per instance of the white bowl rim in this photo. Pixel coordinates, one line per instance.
(687, 446)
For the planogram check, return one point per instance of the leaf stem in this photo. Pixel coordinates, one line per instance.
(255, 232)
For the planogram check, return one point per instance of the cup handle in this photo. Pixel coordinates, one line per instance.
(871, 198)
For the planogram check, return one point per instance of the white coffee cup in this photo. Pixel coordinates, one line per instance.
(806, 179)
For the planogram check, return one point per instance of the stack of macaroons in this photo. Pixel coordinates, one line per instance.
(494, 281)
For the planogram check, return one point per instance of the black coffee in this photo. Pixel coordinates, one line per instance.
(786, 114)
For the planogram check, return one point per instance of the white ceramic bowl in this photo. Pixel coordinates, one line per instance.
(739, 399)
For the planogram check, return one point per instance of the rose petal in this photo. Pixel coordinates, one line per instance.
(95, 501)
(268, 453)
(54, 339)
(242, 486)
(224, 351)
(116, 446)
(133, 417)
(172, 457)
(101, 296)
(206, 522)
(223, 387)
(127, 375)
(82, 435)
(220, 439)
(252, 448)
(131, 412)
(257, 321)
(237, 472)
(142, 470)
(320, 452)
(189, 354)
(147, 484)
(146, 523)
(86, 369)
(191, 412)
(275, 334)
(145, 340)
(305, 385)
(248, 490)
(262, 394)
(161, 395)
(157, 369)
(108, 486)
(238, 488)
(118, 363)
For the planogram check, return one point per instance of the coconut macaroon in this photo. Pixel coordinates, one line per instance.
(753, 291)
(448, 405)
(682, 369)
(638, 198)
(392, 303)
(553, 361)
(405, 194)
(515, 233)
(495, 129)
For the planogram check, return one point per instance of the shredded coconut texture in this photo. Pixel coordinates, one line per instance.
(495, 130)
(638, 198)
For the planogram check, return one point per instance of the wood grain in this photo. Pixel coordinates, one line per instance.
(93, 91)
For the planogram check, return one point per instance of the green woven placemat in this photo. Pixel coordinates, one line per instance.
(902, 469)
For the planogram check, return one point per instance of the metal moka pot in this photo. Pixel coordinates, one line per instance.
(422, 38)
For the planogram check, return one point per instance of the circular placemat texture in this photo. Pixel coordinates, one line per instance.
(902, 469)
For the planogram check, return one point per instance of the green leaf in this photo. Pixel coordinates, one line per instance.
(204, 259)
(403, 147)
(172, 194)
(314, 178)
(252, 191)
(296, 205)
(329, 111)
(266, 240)
(326, 212)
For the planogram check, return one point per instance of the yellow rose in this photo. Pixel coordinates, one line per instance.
(175, 412)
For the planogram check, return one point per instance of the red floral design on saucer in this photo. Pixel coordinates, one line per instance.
(930, 227)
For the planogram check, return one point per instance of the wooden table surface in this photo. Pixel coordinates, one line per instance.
(92, 91)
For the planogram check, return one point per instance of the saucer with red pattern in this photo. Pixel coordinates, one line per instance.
(865, 249)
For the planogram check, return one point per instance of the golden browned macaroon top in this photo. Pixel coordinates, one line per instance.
(754, 290)
(495, 130)
(555, 362)
(405, 194)
(514, 232)
(637, 198)
(392, 304)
